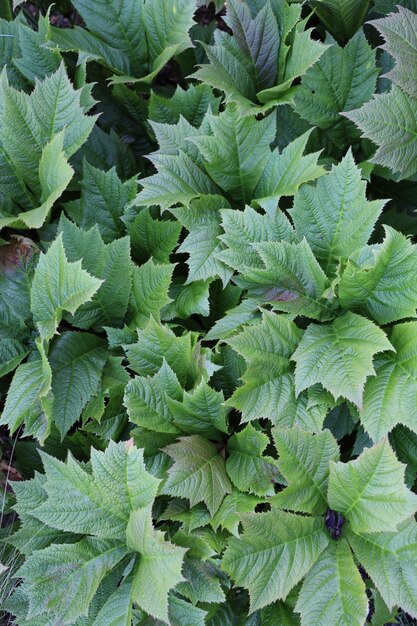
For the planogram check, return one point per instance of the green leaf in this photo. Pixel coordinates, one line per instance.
(117, 610)
(291, 280)
(304, 462)
(201, 412)
(153, 238)
(58, 286)
(389, 120)
(103, 200)
(236, 151)
(246, 464)
(333, 591)
(383, 287)
(202, 220)
(339, 356)
(149, 291)
(286, 171)
(268, 386)
(389, 558)
(192, 104)
(159, 567)
(287, 539)
(242, 229)
(370, 491)
(77, 361)
(157, 342)
(146, 400)
(334, 216)
(97, 503)
(62, 579)
(399, 31)
(390, 397)
(198, 472)
(341, 17)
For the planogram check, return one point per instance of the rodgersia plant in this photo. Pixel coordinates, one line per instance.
(208, 296)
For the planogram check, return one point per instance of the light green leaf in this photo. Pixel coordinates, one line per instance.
(149, 291)
(370, 491)
(198, 472)
(304, 462)
(383, 287)
(389, 558)
(202, 220)
(334, 216)
(62, 579)
(333, 591)
(58, 286)
(390, 121)
(146, 400)
(201, 412)
(286, 539)
(344, 78)
(339, 356)
(291, 280)
(236, 151)
(246, 464)
(159, 567)
(97, 503)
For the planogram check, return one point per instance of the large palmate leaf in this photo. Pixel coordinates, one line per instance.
(59, 286)
(333, 591)
(390, 121)
(399, 31)
(390, 397)
(97, 503)
(389, 558)
(304, 462)
(334, 216)
(383, 287)
(62, 579)
(342, 79)
(256, 66)
(198, 472)
(291, 280)
(339, 356)
(287, 539)
(159, 567)
(370, 491)
(249, 469)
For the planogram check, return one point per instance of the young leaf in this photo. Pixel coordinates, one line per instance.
(200, 412)
(287, 539)
(58, 286)
(333, 590)
(339, 356)
(97, 503)
(334, 216)
(370, 491)
(383, 288)
(159, 567)
(149, 291)
(304, 462)
(246, 464)
(198, 472)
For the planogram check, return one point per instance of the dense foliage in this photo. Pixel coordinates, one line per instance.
(208, 294)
